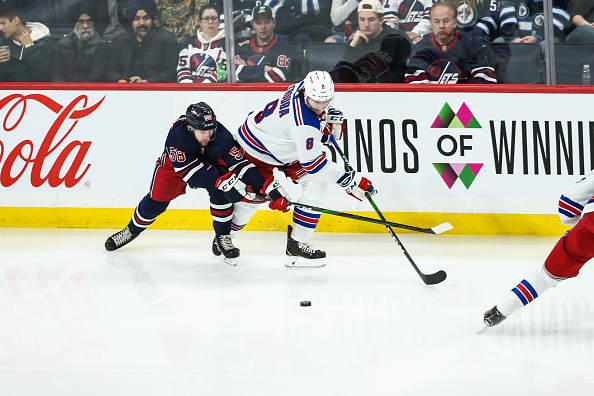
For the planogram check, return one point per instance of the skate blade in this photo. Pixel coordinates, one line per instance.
(300, 262)
(482, 329)
(230, 261)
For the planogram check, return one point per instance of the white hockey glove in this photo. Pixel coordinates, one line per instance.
(335, 118)
(279, 198)
(234, 189)
(355, 185)
(334, 125)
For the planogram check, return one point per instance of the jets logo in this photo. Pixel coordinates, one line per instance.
(204, 68)
(443, 71)
(410, 13)
(523, 11)
(467, 15)
(538, 20)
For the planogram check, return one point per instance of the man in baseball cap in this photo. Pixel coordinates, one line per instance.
(266, 57)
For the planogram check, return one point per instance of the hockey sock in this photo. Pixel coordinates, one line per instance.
(242, 213)
(526, 291)
(304, 224)
(146, 213)
(221, 217)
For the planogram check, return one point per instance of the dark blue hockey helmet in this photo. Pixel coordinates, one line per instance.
(200, 116)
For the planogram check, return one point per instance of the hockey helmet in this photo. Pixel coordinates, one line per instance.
(318, 86)
(200, 116)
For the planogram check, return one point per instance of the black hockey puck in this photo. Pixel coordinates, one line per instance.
(305, 303)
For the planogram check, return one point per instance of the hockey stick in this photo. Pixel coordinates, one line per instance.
(434, 230)
(429, 279)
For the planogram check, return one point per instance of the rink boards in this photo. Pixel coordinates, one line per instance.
(490, 163)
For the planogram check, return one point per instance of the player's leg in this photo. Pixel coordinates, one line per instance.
(301, 253)
(166, 185)
(144, 215)
(566, 259)
(243, 211)
(221, 211)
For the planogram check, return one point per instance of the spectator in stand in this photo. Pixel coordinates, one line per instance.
(203, 58)
(81, 55)
(302, 21)
(146, 53)
(36, 10)
(60, 23)
(470, 12)
(501, 23)
(531, 21)
(265, 57)
(583, 22)
(377, 52)
(406, 15)
(31, 49)
(344, 17)
(448, 55)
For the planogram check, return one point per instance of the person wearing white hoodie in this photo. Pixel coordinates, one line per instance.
(30, 47)
(203, 58)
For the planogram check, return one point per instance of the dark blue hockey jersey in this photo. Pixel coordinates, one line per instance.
(501, 20)
(201, 167)
(463, 60)
(531, 17)
(276, 54)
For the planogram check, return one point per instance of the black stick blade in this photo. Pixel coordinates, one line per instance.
(433, 279)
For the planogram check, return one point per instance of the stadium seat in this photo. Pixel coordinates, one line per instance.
(296, 54)
(570, 59)
(323, 56)
(515, 63)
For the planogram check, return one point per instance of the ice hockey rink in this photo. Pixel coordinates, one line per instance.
(163, 316)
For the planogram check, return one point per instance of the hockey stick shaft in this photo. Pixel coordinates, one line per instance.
(435, 230)
(430, 279)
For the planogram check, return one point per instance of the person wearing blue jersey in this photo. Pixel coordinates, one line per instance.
(531, 27)
(201, 153)
(572, 251)
(288, 134)
(265, 57)
(448, 55)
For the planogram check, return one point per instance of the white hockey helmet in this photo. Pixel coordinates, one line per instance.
(318, 86)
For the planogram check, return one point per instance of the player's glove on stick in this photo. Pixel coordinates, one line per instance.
(355, 185)
(234, 189)
(277, 193)
(334, 125)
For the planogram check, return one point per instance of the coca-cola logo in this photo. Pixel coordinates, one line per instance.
(55, 146)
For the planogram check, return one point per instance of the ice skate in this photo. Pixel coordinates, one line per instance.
(215, 248)
(493, 317)
(120, 239)
(223, 244)
(303, 255)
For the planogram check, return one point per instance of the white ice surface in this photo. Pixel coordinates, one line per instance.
(163, 316)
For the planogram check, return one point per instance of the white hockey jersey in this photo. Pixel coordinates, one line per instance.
(202, 60)
(576, 201)
(287, 131)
